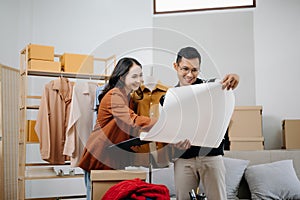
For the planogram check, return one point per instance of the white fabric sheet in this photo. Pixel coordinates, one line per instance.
(200, 113)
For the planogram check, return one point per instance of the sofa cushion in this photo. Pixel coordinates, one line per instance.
(276, 180)
(234, 172)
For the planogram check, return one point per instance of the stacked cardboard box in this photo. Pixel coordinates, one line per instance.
(41, 57)
(31, 134)
(102, 180)
(291, 133)
(77, 63)
(245, 129)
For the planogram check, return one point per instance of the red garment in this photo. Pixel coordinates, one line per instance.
(137, 189)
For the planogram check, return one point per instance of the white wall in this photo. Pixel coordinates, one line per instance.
(261, 44)
(277, 64)
(80, 26)
(225, 40)
(9, 34)
(73, 26)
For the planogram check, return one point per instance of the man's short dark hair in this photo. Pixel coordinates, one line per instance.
(188, 53)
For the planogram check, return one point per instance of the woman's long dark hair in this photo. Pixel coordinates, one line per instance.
(120, 70)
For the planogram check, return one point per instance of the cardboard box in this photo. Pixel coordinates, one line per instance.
(246, 121)
(31, 134)
(244, 143)
(102, 180)
(40, 52)
(291, 134)
(43, 65)
(77, 63)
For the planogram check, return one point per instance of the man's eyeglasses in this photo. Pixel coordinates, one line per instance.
(187, 70)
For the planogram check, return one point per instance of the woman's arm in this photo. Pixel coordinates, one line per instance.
(118, 107)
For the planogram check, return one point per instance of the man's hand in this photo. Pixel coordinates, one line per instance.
(183, 145)
(230, 81)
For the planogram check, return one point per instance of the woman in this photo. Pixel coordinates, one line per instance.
(116, 121)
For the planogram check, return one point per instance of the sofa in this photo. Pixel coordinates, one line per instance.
(264, 161)
(272, 174)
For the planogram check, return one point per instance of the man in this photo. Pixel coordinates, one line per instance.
(195, 163)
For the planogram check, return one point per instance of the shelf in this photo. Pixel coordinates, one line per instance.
(61, 197)
(46, 172)
(32, 170)
(43, 164)
(32, 107)
(32, 142)
(34, 177)
(65, 74)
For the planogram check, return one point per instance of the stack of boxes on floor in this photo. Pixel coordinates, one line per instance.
(42, 58)
(291, 133)
(245, 129)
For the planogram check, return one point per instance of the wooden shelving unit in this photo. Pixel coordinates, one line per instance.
(42, 170)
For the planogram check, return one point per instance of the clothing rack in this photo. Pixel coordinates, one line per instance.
(38, 172)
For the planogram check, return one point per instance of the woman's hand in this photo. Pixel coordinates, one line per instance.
(135, 148)
(183, 145)
(230, 81)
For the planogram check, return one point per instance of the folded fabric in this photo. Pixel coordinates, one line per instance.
(137, 189)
